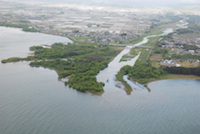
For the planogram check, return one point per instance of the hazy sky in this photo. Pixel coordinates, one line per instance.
(123, 2)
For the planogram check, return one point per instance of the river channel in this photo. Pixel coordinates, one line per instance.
(33, 101)
(107, 75)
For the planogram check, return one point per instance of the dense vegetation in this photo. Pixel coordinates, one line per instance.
(141, 72)
(78, 62)
(13, 59)
(183, 70)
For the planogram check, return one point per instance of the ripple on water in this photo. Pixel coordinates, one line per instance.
(33, 101)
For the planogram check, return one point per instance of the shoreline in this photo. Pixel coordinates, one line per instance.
(172, 77)
(168, 76)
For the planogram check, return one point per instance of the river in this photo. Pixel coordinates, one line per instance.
(33, 101)
(107, 75)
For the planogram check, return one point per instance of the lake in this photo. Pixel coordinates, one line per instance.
(33, 101)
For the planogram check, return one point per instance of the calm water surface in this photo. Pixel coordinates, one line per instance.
(33, 101)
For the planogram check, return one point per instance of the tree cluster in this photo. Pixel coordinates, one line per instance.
(142, 72)
(183, 70)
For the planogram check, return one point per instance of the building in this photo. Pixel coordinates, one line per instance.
(169, 63)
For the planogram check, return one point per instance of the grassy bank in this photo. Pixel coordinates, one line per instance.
(80, 38)
(175, 76)
(127, 88)
(152, 32)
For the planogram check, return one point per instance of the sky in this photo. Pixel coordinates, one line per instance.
(123, 2)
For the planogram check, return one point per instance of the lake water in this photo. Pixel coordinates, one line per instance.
(33, 101)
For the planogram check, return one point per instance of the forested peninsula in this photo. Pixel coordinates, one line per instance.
(80, 63)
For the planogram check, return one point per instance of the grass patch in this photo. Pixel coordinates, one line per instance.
(189, 64)
(80, 38)
(128, 88)
(151, 42)
(144, 56)
(117, 48)
(137, 40)
(127, 57)
(140, 38)
(156, 57)
(155, 64)
(135, 51)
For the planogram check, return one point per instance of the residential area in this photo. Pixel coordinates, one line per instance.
(99, 24)
(183, 52)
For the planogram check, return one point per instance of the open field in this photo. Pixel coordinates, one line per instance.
(151, 42)
(156, 57)
(189, 64)
(144, 56)
(190, 35)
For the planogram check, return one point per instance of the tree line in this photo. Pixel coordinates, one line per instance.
(183, 70)
(24, 27)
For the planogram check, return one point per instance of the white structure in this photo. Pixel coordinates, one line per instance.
(169, 63)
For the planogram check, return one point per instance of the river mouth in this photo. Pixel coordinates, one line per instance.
(34, 101)
(107, 75)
